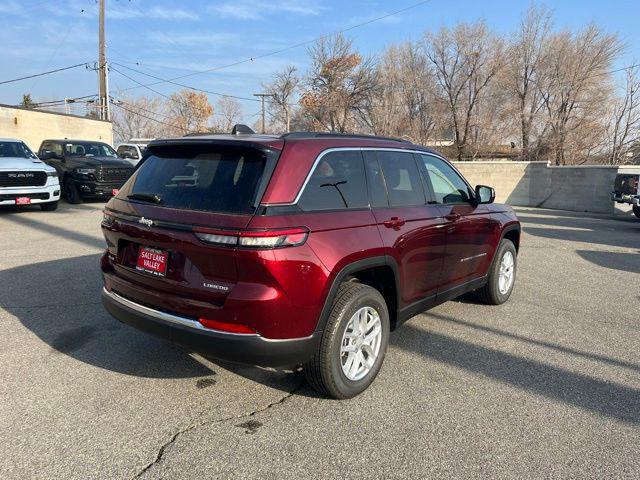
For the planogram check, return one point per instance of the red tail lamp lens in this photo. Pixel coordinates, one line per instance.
(226, 326)
(254, 239)
(290, 237)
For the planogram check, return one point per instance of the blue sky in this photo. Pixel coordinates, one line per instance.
(169, 38)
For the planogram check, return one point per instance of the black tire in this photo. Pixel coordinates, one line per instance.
(636, 211)
(490, 293)
(324, 371)
(49, 207)
(70, 191)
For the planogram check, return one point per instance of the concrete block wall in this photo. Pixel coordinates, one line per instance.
(534, 184)
(34, 126)
(509, 179)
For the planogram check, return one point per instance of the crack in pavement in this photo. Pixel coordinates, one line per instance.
(194, 424)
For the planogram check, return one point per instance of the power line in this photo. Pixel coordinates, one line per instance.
(136, 81)
(45, 73)
(148, 118)
(285, 49)
(628, 67)
(140, 108)
(168, 97)
(63, 101)
(162, 80)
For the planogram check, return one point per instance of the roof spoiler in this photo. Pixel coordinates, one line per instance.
(241, 129)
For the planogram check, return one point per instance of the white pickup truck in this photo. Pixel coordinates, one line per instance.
(24, 179)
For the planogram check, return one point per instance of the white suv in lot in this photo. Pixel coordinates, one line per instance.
(24, 179)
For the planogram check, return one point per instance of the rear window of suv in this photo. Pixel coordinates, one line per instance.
(218, 179)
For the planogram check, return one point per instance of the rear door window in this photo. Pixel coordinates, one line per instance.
(375, 180)
(338, 182)
(212, 178)
(401, 176)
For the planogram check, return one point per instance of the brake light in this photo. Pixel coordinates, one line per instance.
(226, 326)
(217, 238)
(107, 220)
(276, 238)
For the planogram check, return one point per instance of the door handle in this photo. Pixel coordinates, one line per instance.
(394, 223)
(452, 217)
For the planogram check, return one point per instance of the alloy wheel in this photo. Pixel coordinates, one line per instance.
(507, 270)
(361, 343)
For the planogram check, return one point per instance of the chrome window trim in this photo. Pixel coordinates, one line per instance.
(358, 149)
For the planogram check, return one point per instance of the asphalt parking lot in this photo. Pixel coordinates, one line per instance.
(547, 385)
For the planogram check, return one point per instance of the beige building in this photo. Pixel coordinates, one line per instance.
(34, 126)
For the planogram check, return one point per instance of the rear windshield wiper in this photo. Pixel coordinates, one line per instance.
(145, 197)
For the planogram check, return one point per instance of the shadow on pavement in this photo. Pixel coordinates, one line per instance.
(626, 262)
(59, 301)
(565, 214)
(63, 233)
(532, 341)
(597, 237)
(577, 222)
(598, 396)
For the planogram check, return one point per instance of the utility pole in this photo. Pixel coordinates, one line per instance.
(262, 97)
(103, 83)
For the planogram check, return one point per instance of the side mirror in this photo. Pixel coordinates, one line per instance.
(485, 194)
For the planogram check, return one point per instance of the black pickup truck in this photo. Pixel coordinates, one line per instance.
(627, 190)
(86, 169)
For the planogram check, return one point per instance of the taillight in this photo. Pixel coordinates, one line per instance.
(291, 237)
(226, 326)
(217, 238)
(107, 220)
(276, 238)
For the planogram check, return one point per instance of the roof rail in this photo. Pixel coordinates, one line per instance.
(296, 135)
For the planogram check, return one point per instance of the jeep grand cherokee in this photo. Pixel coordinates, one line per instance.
(304, 249)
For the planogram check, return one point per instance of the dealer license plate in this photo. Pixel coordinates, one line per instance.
(152, 260)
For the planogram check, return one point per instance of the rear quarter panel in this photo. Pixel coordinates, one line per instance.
(305, 275)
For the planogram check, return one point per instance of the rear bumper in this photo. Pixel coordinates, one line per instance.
(240, 348)
(624, 198)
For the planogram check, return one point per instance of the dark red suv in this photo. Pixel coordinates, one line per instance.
(304, 249)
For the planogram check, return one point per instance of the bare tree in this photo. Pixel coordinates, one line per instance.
(141, 117)
(405, 104)
(339, 84)
(282, 90)
(229, 113)
(624, 127)
(466, 60)
(526, 55)
(575, 87)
